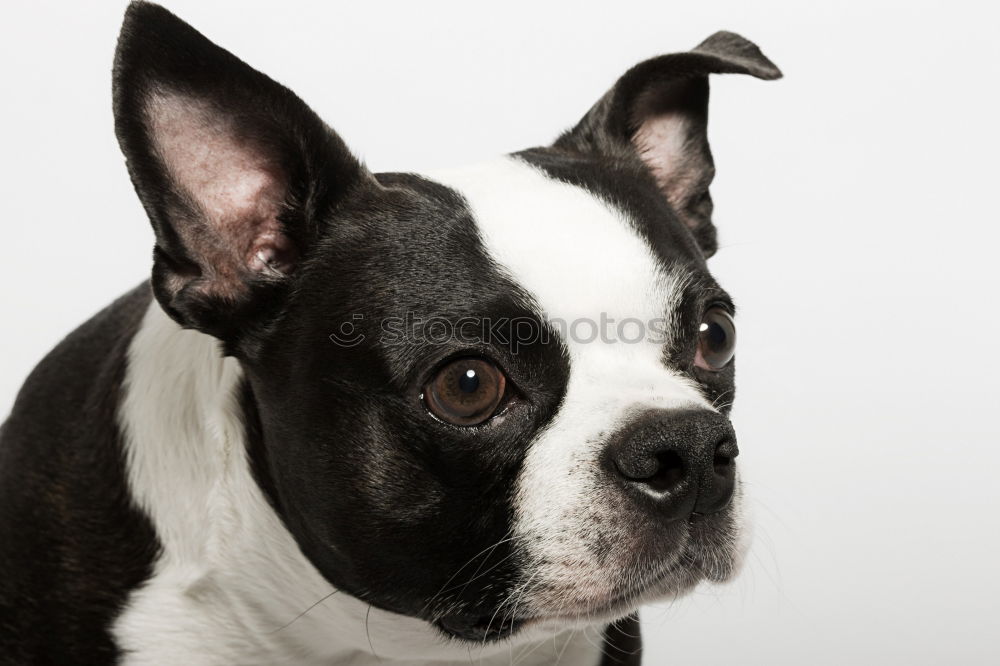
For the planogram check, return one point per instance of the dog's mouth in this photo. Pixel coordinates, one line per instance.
(483, 629)
(497, 627)
(677, 576)
(493, 628)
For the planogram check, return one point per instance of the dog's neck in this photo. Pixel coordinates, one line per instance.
(230, 584)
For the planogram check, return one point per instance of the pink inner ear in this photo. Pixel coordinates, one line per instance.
(235, 185)
(662, 141)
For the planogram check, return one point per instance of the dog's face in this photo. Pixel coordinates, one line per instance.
(481, 397)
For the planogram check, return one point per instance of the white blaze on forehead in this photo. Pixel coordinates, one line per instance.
(573, 253)
(578, 257)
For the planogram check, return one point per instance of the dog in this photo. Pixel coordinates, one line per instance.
(268, 453)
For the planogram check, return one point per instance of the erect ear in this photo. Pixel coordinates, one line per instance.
(658, 111)
(234, 171)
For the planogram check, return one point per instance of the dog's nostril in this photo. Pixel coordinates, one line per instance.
(716, 494)
(668, 472)
(725, 452)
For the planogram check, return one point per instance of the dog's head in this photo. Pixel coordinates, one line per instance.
(483, 397)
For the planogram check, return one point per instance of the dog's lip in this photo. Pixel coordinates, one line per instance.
(482, 628)
(488, 628)
(618, 605)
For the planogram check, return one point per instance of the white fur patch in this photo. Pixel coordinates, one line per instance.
(230, 585)
(578, 257)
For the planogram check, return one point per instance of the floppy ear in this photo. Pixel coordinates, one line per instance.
(658, 111)
(234, 171)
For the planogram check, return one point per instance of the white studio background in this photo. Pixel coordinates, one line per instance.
(855, 201)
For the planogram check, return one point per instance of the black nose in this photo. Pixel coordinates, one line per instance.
(678, 462)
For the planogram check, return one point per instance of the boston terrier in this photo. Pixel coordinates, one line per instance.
(471, 416)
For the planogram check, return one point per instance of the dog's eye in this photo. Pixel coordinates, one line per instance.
(466, 391)
(716, 340)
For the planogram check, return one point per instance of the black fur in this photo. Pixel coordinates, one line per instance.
(73, 545)
(675, 83)
(622, 643)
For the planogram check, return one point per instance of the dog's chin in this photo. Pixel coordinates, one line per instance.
(677, 576)
(670, 583)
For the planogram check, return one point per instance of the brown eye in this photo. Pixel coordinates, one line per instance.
(465, 392)
(716, 340)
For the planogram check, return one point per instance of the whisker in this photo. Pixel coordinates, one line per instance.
(487, 551)
(477, 575)
(565, 645)
(369, 635)
(302, 614)
(504, 603)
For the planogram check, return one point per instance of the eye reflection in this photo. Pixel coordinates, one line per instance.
(469, 382)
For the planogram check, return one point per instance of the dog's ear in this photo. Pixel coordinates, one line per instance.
(234, 171)
(658, 111)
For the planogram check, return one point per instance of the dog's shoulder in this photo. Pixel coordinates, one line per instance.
(74, 544)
